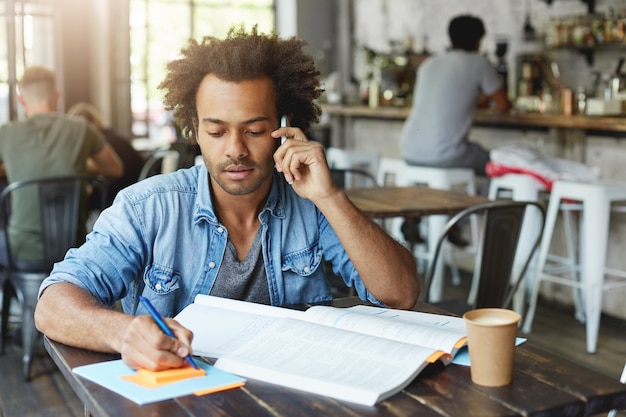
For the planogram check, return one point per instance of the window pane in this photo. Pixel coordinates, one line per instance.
(210, 20)
(4, 70)
(32, 28)
(164, 42)
(159, 29)
(138, 66)
(39, 46)
(4, 58)
(4, 102)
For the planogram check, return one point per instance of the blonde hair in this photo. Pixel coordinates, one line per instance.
(88, 111)
(38, 84)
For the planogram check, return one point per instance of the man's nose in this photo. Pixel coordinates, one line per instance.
(236, 147)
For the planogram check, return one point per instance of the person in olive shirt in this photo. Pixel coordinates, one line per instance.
(45, 144)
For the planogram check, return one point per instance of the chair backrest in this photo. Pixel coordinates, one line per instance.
(352, 178)
(498, 239)
(613, 413)
(352, 159)
(186, 153)
(161, 161)
(391, 172)
(61, 200)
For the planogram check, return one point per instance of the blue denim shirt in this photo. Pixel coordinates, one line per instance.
(162, 239)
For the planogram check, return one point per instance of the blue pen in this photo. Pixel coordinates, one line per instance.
(164, 327)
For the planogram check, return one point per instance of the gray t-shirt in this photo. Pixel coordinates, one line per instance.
(245, 280)
(444, 100)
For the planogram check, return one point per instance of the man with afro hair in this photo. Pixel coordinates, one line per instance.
(253, 223)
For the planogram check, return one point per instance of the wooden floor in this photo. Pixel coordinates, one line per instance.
(47, 395)
(555, 329)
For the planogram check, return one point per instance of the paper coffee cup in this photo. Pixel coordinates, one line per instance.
(491, 336)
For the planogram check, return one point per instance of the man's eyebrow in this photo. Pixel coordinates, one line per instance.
(212, 120)
(245, 122)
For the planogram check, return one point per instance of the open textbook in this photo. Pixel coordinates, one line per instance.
(359, 354)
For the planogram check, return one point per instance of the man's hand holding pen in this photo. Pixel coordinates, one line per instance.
(144, 345)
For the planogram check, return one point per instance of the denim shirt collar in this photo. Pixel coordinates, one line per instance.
(204, 205)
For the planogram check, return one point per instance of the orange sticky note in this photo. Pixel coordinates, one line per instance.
(220, 388)
(155, 379)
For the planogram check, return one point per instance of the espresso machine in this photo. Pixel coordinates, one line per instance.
(502, 46)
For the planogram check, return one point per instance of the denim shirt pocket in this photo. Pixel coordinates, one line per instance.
(162, 284)
(303, 262)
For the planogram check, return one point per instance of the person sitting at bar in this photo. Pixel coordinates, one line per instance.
(45, 144)
(448, 89)
(253, 223)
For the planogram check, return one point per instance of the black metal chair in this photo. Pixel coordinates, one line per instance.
(353, 178)
(63, 211)
(161, 161)
(613, 413)
(497, 248)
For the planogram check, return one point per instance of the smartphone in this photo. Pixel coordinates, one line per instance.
(284, 122)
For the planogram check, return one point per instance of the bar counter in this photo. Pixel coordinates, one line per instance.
(492, 118)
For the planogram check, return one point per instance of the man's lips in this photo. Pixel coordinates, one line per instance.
(238, 172)
(238, 168)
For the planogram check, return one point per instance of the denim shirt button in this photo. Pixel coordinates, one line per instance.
(211, 265)
(307, 269)
(157, 287)
(220, 230)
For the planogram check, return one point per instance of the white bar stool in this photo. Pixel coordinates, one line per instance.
(594, 220)
(443, 179)
(521, 187)
(352, 158)
(395, 171)
(390, 173)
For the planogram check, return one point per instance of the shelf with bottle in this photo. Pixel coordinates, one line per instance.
(588, 33)
(390, 76)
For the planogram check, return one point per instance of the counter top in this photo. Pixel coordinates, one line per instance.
(492, 118)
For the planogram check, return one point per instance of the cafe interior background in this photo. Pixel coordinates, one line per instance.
(112, 52)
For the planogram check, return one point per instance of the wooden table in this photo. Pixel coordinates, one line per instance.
(411, 203)
(543, 385)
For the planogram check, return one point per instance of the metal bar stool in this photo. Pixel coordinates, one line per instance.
(596, 199)
(520, 187)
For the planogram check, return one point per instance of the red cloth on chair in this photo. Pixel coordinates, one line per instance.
(494, 169)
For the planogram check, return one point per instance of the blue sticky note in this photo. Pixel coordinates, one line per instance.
(108, 374)
(462, 357)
